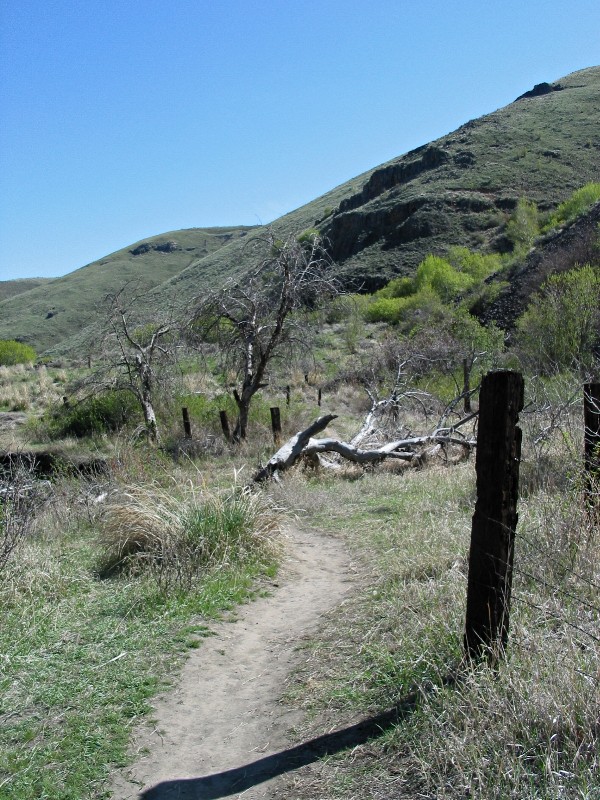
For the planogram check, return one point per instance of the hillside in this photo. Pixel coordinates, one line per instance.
(10, 289)
(50, 313)
(560, 250)
(457, 190)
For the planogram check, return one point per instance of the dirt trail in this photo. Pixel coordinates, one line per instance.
(221, 732)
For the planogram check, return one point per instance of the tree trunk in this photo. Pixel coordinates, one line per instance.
(241, 425)
(150, 420)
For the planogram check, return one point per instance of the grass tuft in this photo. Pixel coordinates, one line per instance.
(177, 537)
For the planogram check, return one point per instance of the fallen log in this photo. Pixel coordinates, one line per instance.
(354, 453)
(303, 445)
(291, 451)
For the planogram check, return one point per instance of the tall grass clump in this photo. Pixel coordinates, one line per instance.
(179, 537)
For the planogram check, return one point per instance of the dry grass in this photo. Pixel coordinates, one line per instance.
(25, 388)
(530, 729)
(178, 535)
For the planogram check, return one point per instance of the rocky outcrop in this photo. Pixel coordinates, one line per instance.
(540, 89)
(382, 180)
(161, 247)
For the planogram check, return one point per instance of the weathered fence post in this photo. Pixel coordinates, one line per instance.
(187, 428)
(319, 398)
(225, 425)
(466, 386)
(591, 421)
(287, 395)
(276, 424)
(495, 517)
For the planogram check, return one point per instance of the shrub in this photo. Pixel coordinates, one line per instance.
(398, 287)
(561, 327)
(12, 352)
(576, 205)
(439, 275)
(523, 226)
(478, 266)
(104, 413)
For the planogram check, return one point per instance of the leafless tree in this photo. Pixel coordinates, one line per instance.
(258, 318)
(135, 357)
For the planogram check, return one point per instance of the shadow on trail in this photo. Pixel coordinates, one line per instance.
(235, 781)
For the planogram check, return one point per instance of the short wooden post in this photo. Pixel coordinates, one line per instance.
(591, 421)
(225, 425)
(495, 517)
(287, 395)
(187, 428)
(319, 398)
(466, 386)
(276, 424)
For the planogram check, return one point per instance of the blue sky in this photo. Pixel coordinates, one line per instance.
(122, 119)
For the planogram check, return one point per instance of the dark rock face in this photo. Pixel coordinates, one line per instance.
(167, 247)
(141, 249)
(162, 247)
(382, 180)
(538, 90)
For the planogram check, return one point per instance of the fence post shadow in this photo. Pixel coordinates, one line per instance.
(240, 779)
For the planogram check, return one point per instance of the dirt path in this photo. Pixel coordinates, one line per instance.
(222, 731)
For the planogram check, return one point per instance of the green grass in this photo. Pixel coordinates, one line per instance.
(81, 658)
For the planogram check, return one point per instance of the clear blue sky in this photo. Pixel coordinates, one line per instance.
(121, 119)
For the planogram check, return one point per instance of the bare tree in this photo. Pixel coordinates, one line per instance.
(257, 318)
(135, 357)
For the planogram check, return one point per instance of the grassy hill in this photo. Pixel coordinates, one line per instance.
(10, 289)
(457, 190)
(46, 315)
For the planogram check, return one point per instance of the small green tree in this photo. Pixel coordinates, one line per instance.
(523, 226)
(561, 327)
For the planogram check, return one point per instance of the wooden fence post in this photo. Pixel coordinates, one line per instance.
(276, 424)
(495, 517)
(287, 395)
(225, 425)
(466, 386)
(187, 428)
(591, 421)
(319, 398)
